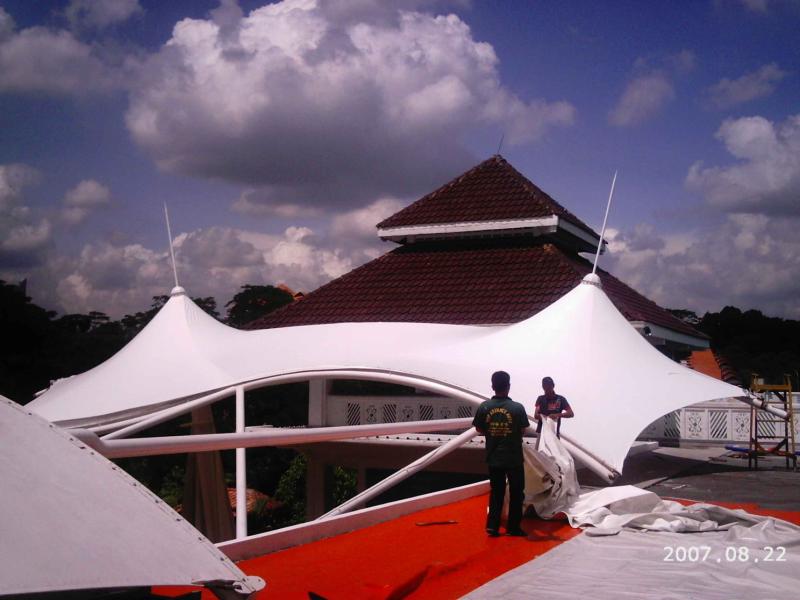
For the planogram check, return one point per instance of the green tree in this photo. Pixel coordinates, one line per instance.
(255, 301)
(754, 343)
(26, 332)
(292, 490)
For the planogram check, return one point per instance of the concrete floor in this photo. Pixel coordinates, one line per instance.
(710, 474)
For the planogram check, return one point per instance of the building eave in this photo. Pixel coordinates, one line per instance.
(535, 226)
(659, 332)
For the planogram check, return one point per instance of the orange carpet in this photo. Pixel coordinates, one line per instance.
(400, 559)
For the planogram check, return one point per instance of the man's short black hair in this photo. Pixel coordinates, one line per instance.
(548, 381)
(501, 381)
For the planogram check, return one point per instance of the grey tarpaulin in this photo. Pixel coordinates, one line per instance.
(724, 565)
(637, 545)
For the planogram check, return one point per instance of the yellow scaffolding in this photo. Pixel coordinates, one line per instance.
(766, 426)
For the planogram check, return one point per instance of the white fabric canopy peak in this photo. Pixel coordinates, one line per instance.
(615, 380)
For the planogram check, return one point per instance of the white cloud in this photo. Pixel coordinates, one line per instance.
(749, 261)
(643, 98)
(14, 178)
(24, 235)
(326, 104)
(757, 84)
(270, 201)
(54, 61)
(767, 177)
(122, 278)
(50, 61)
(7, 24)
(360, 225)
(757, 6)
(106, 277)
(682, 62)
(101, 13)
(84, 198)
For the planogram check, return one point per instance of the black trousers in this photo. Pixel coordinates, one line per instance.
(516, 488)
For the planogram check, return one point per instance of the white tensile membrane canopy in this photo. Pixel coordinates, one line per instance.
(616, 382)
(72, 520)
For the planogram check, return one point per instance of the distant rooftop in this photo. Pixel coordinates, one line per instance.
(709, 363)
(490, 196)
(486, 281)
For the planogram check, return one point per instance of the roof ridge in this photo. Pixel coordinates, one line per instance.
(446, 186)
(490, 190)
(551, 248)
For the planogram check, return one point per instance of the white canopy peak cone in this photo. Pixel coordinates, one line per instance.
(177, 291)
(592, 279)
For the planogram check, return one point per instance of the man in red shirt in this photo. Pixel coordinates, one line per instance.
(551, 405)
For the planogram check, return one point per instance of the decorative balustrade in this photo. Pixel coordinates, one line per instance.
(717, 421)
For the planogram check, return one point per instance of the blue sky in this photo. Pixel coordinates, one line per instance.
(280, 134)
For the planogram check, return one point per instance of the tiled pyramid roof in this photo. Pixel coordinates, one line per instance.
(491, 191)
(489, 281)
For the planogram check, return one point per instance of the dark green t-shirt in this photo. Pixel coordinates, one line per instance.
(502, 421)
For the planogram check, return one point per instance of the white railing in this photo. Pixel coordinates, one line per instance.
(717, 421)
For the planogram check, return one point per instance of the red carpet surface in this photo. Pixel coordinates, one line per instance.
(400, 559)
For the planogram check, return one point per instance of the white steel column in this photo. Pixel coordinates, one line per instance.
(317, 402)
(241, 470)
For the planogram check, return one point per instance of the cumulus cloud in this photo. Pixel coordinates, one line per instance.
(643, 98)
(278, 201)
(115, 279)
(7, 24)
(100, 13)
(54, 61)
(749, 261)
(326, 103)
(756, 84)
(757, 6)
(360, 224)
(24, 235)
(355, 233)
(683, 61)
(14, 178)
(83, 199)
(119, 278)
(766, 179)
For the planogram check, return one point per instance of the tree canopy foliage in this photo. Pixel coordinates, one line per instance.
(255, 301)
(751, 342)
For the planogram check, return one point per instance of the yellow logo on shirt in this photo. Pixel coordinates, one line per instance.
(499, 422)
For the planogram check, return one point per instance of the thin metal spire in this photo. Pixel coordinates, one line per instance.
(605, 219)
(171, 250)
(500, 145)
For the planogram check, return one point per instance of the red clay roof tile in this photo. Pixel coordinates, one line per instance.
(491, 191)
(490, 281)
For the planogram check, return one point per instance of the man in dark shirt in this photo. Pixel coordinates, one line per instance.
(502, 421)
(551, 405)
